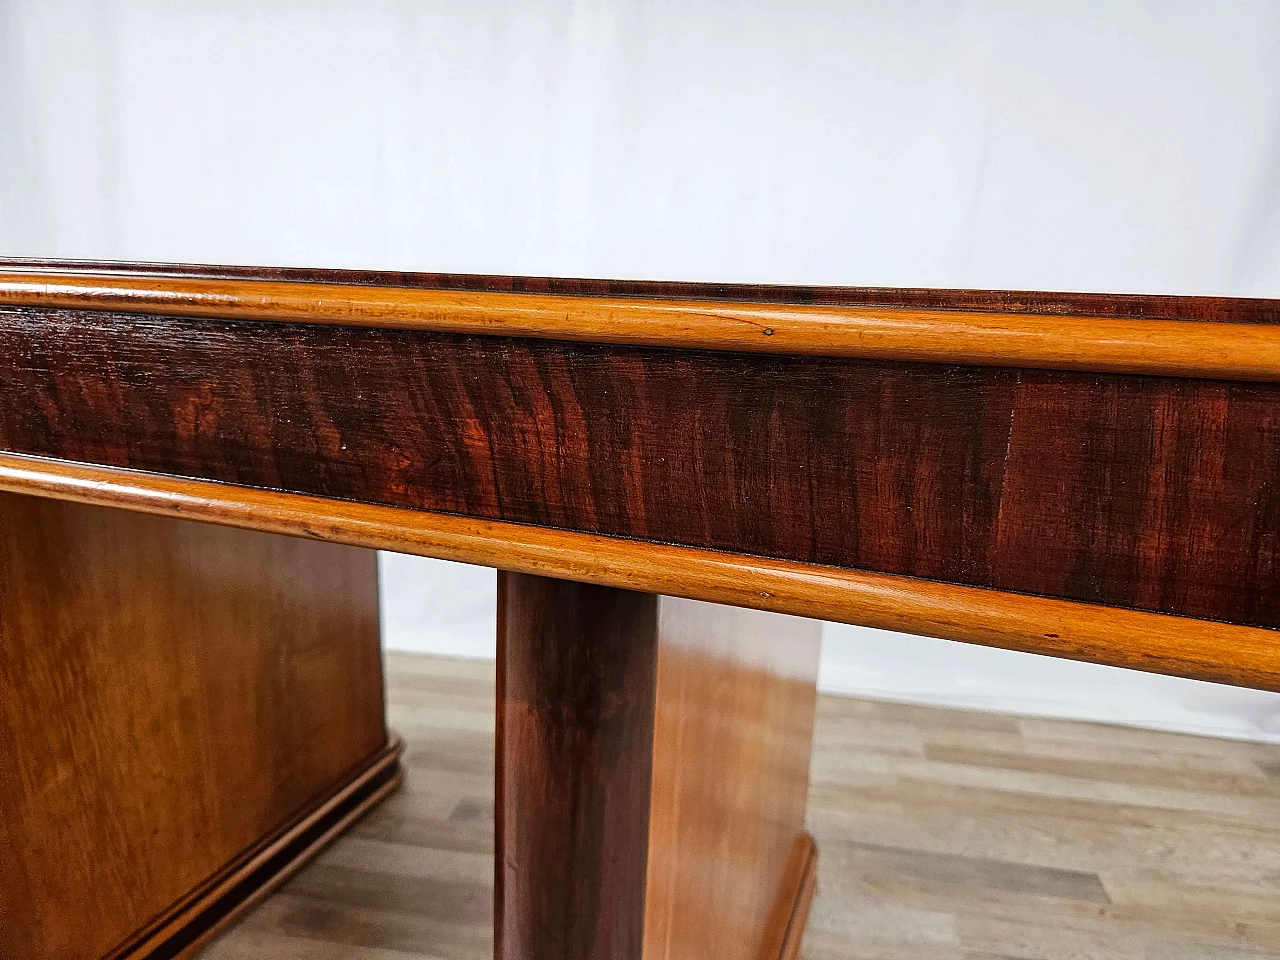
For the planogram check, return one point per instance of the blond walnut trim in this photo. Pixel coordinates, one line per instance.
(1184, 348)
(1154, 642)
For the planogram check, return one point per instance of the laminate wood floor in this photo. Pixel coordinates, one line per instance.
(944, 835)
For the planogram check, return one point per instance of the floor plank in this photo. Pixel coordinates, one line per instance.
(945, 835)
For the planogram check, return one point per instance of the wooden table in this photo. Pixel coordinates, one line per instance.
(670, 477)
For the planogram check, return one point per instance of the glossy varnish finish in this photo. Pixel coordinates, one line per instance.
(1157, 642)
(575, 735)
(171, 694)
(1147, 492)
(1141, 306)
(828, 454)
(1115, 344)
(653, 758)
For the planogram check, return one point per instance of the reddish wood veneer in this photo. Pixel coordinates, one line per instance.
(1145, 492)
(652, 751)
(576, 668)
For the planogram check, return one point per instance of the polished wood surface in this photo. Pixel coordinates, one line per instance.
(1103, 487)
(653, 761)
(170, 694)
(1151, 493)
(945, 835)
(1137, 306)
(728, 852)
(244, 882)
(1116, 344)
(1201, 649)
(1147, 492)
(576, 666)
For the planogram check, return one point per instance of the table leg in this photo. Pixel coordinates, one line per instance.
(652, 775)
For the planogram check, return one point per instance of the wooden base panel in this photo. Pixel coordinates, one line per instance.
(172, 695)
(191, 925)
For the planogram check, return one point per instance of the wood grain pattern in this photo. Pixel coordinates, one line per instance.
(653, 767)
(1137, 306)
(1113, 344)
(170, 693)
(1156, 493)
(1204, 650)
(576, 678)
(242, 884)
(728, 854)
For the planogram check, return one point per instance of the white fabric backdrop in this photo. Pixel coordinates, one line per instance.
(1119, 146)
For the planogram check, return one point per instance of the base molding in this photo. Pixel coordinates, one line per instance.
(243, 883)
(799, 896)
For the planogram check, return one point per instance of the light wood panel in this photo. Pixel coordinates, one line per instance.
(1119, 345)
(1200, 649)
(1030, 838)
(246, 880)
(171, 694)
(728, 854)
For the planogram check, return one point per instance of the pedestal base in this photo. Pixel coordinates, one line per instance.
(653, 762)
(186, 713)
